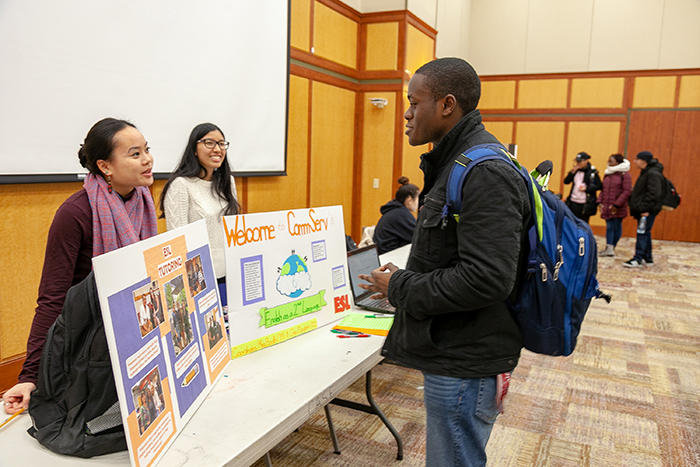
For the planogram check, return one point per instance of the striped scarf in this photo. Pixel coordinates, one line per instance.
(117, 223)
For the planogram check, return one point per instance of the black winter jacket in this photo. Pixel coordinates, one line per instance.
(593, 184)
(451, 317)
(648, 190)
(395, 228)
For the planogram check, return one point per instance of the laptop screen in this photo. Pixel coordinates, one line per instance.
(362, 261)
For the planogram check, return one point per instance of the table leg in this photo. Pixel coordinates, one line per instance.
(334, 438)
(372, 408)
(268, 462)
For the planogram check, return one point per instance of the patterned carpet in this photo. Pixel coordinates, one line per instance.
(628, 396)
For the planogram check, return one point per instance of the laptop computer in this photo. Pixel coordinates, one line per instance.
(364, 261)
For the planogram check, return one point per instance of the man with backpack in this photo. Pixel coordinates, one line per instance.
(645, 203)
(452, 322)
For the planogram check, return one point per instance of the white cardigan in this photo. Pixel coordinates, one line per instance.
(191, 199)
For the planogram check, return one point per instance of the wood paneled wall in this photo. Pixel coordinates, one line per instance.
(555, 116)
(338, 143)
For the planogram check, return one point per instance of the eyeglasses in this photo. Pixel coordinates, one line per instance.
(210, 143)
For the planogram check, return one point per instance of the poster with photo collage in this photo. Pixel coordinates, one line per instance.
(166, 334)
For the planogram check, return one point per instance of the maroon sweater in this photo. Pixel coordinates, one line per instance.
(68, 261)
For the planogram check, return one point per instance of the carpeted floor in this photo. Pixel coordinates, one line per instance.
(628, 396)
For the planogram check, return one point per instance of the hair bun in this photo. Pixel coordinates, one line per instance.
(82, 157)
(403, 181)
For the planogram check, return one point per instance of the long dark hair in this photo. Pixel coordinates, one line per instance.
(190, 166)
(99, 143)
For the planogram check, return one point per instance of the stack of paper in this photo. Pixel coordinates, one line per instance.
(378, 325)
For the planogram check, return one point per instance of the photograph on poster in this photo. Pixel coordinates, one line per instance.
(195, 276)
(214, 331)
(148, 399)
(180, 323)
(149, 307)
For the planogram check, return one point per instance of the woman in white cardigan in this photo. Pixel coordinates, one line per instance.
(202, 187)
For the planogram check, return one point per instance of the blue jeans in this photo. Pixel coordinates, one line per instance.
(460, 416)
(642, 250)
(613, 231)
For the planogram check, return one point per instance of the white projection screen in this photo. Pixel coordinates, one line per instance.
(163, 65)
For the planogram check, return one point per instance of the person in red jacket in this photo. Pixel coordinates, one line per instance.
(617, 187)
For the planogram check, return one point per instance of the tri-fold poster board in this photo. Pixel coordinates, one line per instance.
(165, 331)
(286, 275)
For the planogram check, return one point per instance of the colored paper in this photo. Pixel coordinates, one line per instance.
(359, 322)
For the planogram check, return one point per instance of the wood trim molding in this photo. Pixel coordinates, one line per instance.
(324, 63)
(592, 74)
(564, 167)
(9, 371)
(362, 48)
(397, 170)
(244, 189)
(314, 75)
(628, 96)
(621, 147)
(384, 16)
(356, 227)
(576, 111)
(311, 25)
(382, 74)
(619, 117)
(322, 77)
(401, 62)
(309, 125)
(421, 25)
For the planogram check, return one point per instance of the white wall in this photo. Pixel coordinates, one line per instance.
(549, 36)
(557, 36)
(453, 28)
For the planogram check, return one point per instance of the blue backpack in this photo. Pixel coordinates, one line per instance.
(560, 280)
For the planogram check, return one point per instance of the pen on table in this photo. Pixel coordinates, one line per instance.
(378, 315)
(344, 336)
(13, 416)
(343, 331)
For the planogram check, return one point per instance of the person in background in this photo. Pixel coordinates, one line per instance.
(452, 322)
(617, 186)
(202, 187)
(586, 183)
(395, 227)
(645, 204)
(113, 209)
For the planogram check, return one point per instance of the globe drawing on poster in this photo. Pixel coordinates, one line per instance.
(294, 277)
(286, 274)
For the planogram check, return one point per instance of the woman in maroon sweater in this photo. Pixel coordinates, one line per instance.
(112, 210)
(617, 187)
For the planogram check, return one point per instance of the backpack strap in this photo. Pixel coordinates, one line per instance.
(463, 164)
(490, 151)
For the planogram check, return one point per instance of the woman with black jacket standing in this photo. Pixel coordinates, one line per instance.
(586, 183)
